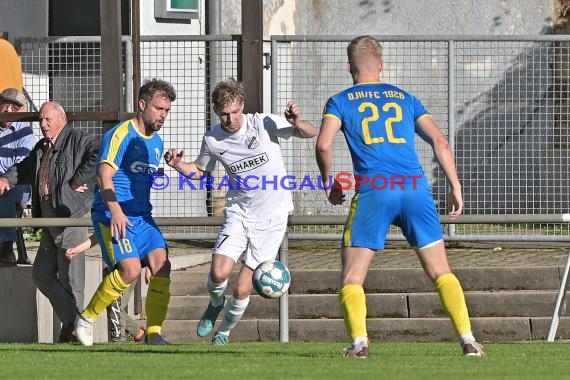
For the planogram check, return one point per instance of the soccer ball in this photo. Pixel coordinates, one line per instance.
(271, 279)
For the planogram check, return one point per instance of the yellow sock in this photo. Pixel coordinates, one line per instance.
(453, 300)
(353, 305)
(157, 299)
(109, 290)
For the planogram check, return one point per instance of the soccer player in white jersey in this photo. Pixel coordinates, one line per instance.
(257, 204)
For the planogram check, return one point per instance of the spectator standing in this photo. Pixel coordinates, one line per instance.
(61, 169)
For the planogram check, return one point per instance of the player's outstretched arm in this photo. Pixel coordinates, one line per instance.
(303, 129)
(431, 133)
(173, 159)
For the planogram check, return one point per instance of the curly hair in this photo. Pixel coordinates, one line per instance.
(156, 86)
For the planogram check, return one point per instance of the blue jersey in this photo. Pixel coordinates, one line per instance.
(379, 124)
(136, 158)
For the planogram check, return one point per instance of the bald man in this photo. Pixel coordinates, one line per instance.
(61, 169)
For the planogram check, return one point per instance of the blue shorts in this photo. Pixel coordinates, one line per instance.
(373, 211)
(142, 237)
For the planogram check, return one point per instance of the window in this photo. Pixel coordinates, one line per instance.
(173, 10)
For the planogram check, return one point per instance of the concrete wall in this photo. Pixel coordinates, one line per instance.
(24, 18)
(396, 17)
(27, 316)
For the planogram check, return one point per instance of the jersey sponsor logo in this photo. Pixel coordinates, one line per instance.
(139, 167)
(222, 153)
(248, 163)
(252, 142)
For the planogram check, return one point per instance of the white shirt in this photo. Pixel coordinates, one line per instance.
(256, 176)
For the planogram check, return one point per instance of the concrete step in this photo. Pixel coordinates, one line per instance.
(505, 304)
(385, 305)
(379, 330)
(406, 280)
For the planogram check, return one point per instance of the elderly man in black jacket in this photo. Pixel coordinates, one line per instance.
(61, 168)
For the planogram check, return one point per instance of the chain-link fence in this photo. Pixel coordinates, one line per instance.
(503, 101)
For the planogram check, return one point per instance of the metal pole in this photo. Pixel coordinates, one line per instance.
(134, 82)
(559, 302)
(132, 85)
(284, 300)
(451, 107)
(112, 86)
(274, 71)
(215, 199)
(315, 221)
(252, 54)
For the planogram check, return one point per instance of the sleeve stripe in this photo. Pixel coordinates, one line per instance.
(110, 163)
(424, 115)
(116, 140)
(331, 116)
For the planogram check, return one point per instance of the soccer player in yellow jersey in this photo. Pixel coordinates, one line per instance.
(122, 220)
(379, 122)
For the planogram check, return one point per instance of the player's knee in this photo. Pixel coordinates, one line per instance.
(353, 278)
(436, 272)
(352, 281)
(217, 278)
(129, 273)
(218, 275)
(162, 268)
(242, 291)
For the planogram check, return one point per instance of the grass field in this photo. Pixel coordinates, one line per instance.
(282, 361)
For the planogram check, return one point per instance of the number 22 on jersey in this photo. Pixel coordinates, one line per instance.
(365, 124)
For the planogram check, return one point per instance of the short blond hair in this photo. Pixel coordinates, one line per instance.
(227, 92)
(363, 46)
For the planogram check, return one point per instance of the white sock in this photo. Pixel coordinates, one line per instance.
(216, 291)
(467, 338)
(232, 314)
(360, 340)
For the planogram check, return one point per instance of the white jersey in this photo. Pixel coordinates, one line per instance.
(256, 176)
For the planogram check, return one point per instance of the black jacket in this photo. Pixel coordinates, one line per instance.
(74, 158)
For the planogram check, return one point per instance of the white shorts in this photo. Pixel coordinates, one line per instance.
(258, 240)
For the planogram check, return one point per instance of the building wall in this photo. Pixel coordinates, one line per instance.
(24, 18)
(29, 18)
(395, 17)
(493, 17)
(149, 26)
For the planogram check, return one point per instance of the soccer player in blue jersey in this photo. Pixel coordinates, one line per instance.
(379, 122)
(129, 238)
